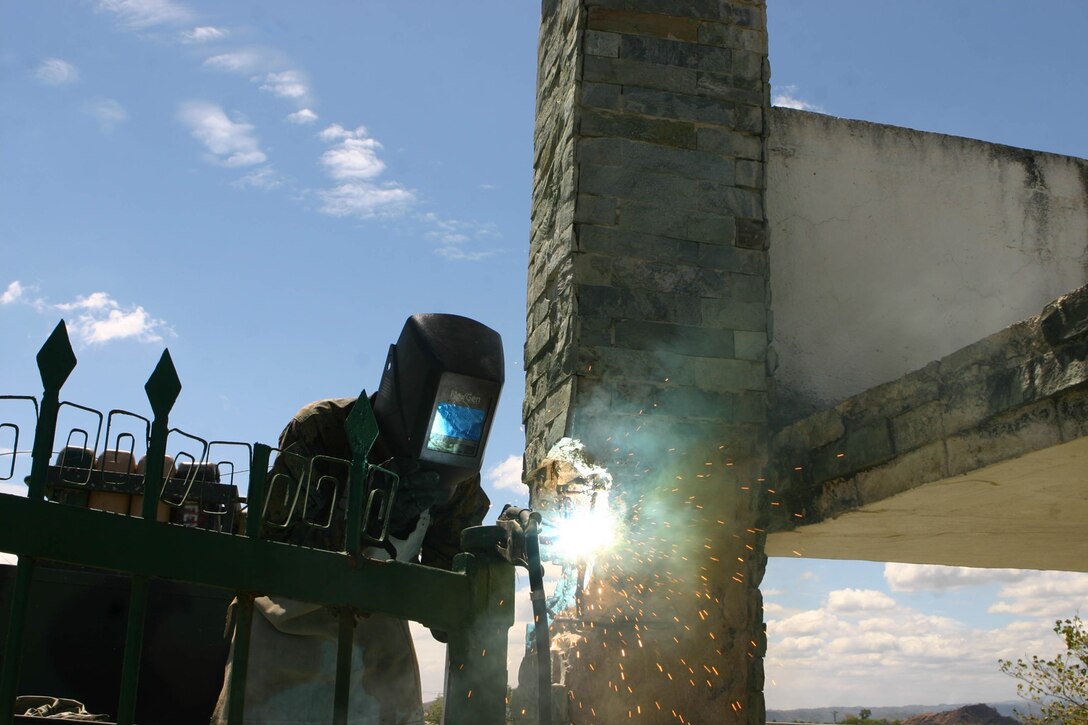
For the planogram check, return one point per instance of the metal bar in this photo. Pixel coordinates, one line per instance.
(55, 363)
(255, 493)
(476, 655)
(239, 667)
(119, 543)
(344, 649)
(134, 640)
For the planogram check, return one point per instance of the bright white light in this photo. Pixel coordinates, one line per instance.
(582, 533)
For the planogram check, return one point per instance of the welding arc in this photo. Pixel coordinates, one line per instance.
(540, 620)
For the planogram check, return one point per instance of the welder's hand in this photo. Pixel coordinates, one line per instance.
(419, 489)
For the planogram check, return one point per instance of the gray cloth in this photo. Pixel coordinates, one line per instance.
(56, 708)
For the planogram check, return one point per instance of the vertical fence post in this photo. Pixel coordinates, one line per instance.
(362, 430)
(243, 623)
(162, 391)
(56, 360)
(476, 656)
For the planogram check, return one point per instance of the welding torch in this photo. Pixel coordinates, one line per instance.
(522, 548)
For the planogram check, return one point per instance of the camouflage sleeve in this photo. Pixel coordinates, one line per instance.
(296, 484)
(467, 507)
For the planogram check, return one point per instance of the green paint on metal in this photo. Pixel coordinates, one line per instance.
(361, 427)
(56, 359)
(163, 386)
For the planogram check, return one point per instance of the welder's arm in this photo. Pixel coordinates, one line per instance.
(467, 507)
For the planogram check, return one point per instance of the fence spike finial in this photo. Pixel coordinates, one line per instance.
(163, 386)
(56, 359)
(361, 427)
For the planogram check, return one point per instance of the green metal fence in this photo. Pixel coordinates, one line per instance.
(476, 598)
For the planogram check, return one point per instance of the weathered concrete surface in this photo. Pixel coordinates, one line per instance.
(978, 459)
(893, 247)
(647, 338)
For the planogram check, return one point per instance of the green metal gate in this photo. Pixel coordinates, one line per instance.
(476, 598)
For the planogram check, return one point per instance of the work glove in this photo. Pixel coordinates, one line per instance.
(419, 490)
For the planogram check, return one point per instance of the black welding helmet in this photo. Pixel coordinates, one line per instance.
(438, 393)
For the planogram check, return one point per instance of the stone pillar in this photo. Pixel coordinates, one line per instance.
(648, 339)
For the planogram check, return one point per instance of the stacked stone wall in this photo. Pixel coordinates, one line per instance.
(648, 337)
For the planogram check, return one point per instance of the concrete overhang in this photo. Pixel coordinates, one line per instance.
(1029, 512)
(979, 459)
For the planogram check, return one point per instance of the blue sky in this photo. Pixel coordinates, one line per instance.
(270, 188)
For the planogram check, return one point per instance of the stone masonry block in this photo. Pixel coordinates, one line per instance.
(594, 328)
(601, 43)
(685, 402)
(616, 242)
(735, 314)
(749, 173)
(603, 151)
(634, 73)
(1073, 415)
(743, 203)
(749, 118)
(746, 64)
(601, 95)
(595, 210)
(678, 193)
(751, 234)
(750, 345)
(705, 227)
(733, 36)
(640, 23)
(747, 288)
(1005, 436)
(593, 269)
(612, 302)
(918, 426)
(663, 278)
(679, 339)
(668, 104)
(730, 143)
(684, 163)
(929, 463)
(648, 49)
(725, 89)
(734, 258)
(724, 374)
(652, 130)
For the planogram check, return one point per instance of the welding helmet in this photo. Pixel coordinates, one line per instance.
(438, 394)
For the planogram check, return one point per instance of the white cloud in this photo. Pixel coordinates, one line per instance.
(239, 61)
(336, 132)
(858, 600)
(1050, 594)
(203, 34)
(108, 112)
(354, 160)
(453, 235)
(864, 641)
(13, 293)
(933, 577)
(265, 178)
(141, 14)
(507, 475)
(56, 72)
(230, 143)
(290, 84)
(786, 97)
(102, 319)
(365, 201)
(302, 117)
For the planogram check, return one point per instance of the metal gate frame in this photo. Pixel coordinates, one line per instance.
(473, 604)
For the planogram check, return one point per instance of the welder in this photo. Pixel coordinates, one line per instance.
(434, 409)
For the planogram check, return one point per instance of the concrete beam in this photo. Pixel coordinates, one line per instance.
(977, 459)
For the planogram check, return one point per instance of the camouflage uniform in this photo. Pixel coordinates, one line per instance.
(293, 645)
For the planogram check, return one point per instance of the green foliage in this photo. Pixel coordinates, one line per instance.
(432, 711)
(1058, 686)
